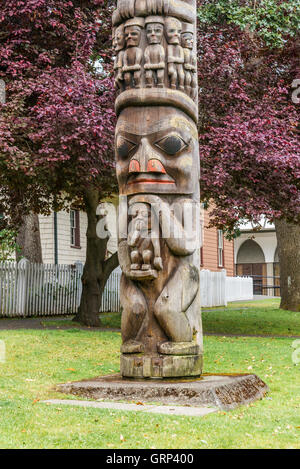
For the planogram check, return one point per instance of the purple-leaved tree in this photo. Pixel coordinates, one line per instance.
(249, 121)
(56, 128)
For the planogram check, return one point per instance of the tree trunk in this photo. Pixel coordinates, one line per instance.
(288, 239)
(29, 239)
(96, 269)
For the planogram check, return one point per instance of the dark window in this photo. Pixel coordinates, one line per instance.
(75, 228)
(220, 248)
(201, 240)
(201, 257)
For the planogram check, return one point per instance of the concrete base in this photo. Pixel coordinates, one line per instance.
(221, 391)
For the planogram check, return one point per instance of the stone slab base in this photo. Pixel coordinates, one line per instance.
(221, 391)
(160, 366)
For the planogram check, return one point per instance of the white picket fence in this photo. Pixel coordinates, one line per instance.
(46, 289)
(217, 289)
(39, 289)
(239, 288)
(212, 288)
(111, 294)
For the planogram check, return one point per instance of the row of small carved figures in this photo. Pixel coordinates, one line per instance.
(180, 59)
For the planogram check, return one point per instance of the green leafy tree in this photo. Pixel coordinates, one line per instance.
(8, 245)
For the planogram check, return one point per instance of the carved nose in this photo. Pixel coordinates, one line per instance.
(153, 166)
(146, 160)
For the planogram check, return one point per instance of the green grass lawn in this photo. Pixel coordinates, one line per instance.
(36, 360)
(261, 317)
(108, 320)
(265, 302)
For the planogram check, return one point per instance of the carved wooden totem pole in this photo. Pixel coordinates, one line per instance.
(158, 174)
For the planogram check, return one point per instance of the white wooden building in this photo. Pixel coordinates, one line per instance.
(63, 236)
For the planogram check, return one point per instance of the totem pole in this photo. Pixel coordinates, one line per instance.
(157, 163)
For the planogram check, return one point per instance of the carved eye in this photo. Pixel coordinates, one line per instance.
(171, 144)
(124, 147)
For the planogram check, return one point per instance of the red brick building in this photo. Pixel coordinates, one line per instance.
(217, 253)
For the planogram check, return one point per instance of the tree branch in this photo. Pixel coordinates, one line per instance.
(110, 264)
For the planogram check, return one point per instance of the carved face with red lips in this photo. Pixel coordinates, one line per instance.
(158, 153)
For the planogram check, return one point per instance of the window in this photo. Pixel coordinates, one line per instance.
(220, 248)
(201, 257)
(201, 241)
(75, 228)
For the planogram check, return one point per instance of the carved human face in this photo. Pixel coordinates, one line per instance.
(187, 40)
(173, 30)
(140, 214)
(154, 32)
(132, 36)
(119, 38)
(157, 152)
